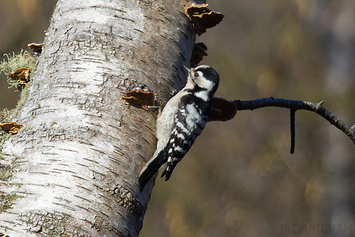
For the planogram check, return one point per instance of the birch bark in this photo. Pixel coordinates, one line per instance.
(81, 148)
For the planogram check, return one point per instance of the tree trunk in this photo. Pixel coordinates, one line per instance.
(81, 149)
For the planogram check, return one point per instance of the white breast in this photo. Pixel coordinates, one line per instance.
(165, 122)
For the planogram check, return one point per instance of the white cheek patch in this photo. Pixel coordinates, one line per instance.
(203, 95)
(208, 85)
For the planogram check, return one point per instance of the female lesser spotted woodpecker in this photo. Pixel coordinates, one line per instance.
(182, 120)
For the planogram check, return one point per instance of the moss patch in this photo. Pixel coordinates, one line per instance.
(6, 201)
(14, 61)
(5, 114)
(52, 224)
(7, 169)
(8, 163)
(10, 64)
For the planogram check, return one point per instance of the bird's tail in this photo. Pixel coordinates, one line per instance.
(150, 168)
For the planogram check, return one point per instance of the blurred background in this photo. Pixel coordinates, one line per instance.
(239, 179)
(22, 22)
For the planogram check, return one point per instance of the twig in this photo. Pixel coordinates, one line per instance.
(295, 105)
(292, 121)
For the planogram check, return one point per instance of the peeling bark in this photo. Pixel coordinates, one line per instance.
(81, 148)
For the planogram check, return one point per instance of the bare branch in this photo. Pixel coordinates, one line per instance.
(295, 105)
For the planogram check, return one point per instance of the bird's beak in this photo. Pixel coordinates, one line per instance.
(189, 74)
(187, 69)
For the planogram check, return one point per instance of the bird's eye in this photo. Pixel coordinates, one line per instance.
(196, 74)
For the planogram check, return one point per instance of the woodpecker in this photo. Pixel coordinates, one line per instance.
(181, 122)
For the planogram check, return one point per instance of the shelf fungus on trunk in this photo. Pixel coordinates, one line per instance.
(10, 127)
(139, 97)
(203, 18)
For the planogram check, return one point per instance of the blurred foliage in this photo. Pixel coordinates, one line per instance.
(22, 22)
(239, 179)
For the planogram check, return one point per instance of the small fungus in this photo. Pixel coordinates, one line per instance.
(36, 49)
(11, 127)
(140, 97)
(203, 18)
(20, 74)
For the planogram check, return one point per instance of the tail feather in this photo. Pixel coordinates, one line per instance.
(168, 170)
(150, 168)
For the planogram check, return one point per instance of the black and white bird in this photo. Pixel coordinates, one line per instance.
(181, 121)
